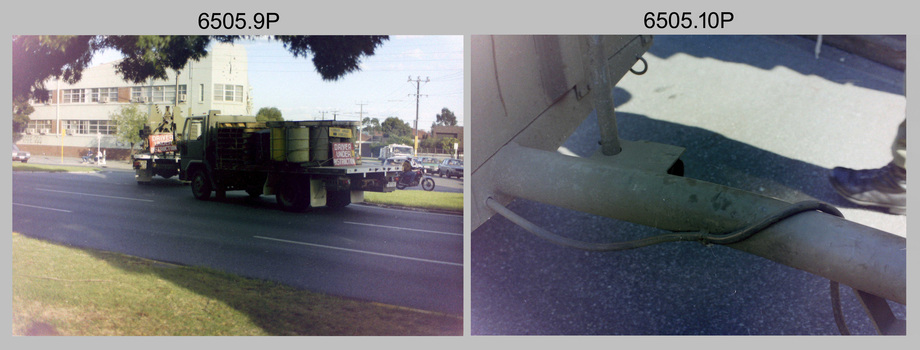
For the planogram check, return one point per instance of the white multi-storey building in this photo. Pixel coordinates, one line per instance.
(78, 116)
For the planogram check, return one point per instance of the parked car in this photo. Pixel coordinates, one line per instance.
(20, 155)
(429, 164)
(451, 167)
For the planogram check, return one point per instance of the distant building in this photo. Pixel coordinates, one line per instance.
(438, 131)
(81, 111)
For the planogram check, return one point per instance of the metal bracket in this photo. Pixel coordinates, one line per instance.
(581, 93)
(880, 313)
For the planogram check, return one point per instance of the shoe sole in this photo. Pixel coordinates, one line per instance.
(896, 210)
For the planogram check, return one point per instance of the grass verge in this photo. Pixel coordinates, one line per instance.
(54, 168)
(60, 290)
(418, 199)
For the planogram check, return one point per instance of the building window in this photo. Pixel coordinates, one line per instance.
(89, 127)
(73, 96)
(228, 93)
(74, 127)
(104, 127)
(158, 94)
(104, 95)
(137, 94)
(162, 93)
(39, 127)
(201, 93)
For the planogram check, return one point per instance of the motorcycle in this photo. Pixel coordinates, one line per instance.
(420, 178)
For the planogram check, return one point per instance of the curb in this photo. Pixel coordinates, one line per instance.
(436, 211)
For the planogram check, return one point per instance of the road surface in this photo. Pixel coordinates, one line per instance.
(406, 258)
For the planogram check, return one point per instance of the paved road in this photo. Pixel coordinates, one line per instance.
(397, 257)
(757, 113)
(443, 184)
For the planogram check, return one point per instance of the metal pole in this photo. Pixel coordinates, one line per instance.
(603, 101)
(418, 84)
(858, 256)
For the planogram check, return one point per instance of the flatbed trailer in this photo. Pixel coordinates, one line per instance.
(305, 164)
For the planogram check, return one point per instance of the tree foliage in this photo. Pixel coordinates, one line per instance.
(447, 144)
(21, 111)
(269, 114)
(446, 118)
(370, 125)
(39, 58)
(129, 120)
(393, 126)
(333, 56)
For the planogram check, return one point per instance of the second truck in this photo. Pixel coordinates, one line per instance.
(305, 164)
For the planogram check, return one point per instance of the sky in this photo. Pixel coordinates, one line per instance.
(381, 89)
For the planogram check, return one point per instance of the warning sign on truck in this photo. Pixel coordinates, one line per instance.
(343, 153)
(160, 143)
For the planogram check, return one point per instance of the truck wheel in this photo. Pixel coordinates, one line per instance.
(293, 197)
(427, 184)
(338, 199)
(201, 185)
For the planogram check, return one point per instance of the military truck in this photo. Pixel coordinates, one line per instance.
(305, 164)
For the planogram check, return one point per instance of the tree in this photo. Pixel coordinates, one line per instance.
(370, 125)
(393, 126)
(446, 118)
(39, 58)
(129, 120)
(447, 144)
(269, 114)
(21, 111)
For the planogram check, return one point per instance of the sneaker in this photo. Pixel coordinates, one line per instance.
(885, 187)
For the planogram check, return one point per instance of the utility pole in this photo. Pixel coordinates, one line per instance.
(331, 111)
(361, 118)
(418, 84)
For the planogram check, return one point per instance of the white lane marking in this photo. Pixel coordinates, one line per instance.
(95, 195)
(45, 208)
(359, 251)
(406, 228)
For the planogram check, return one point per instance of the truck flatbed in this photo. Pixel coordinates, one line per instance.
(353, 169)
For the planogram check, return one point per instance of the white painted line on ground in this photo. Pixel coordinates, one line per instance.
(45, 208)
(359, 251)
(406, 228)
(95, 195)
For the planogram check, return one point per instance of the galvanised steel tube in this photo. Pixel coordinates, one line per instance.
(603, 98)
(859, 256)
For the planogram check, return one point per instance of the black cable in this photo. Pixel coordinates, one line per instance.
(704, 237)
(838, 311)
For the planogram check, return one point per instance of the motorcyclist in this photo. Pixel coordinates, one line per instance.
(88, 156)
(408, 176)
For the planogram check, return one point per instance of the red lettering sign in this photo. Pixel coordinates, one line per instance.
(160, 143)
(343, 154)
